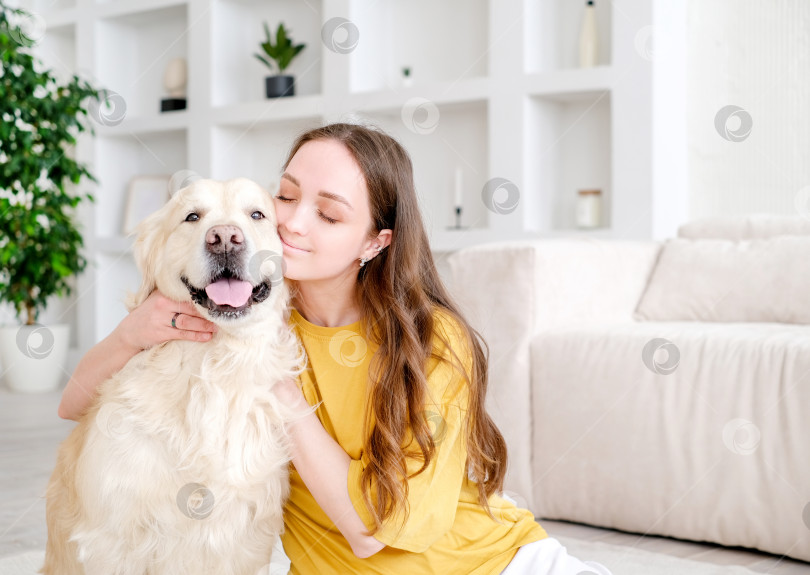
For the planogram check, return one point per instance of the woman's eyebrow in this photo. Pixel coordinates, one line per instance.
(336, 197)
(324, 193)
(293, 179)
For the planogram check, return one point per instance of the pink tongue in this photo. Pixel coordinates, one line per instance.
(234, 293)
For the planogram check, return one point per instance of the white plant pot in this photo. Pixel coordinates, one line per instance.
(32, 357)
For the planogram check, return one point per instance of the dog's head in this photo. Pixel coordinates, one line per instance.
(215, 244)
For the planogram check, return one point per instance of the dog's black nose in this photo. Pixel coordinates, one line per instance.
(224, 239)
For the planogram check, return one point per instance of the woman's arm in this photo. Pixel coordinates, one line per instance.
(147, 325)
(324, 468)
(103, 360)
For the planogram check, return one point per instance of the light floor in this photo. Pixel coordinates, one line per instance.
(30, 432)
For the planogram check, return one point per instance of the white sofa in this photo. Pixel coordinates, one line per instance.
(655, 387)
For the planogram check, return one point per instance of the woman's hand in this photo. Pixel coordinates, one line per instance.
(290, 394)
(150, 323)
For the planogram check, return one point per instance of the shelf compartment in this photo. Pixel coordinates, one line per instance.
(567, 85)
(440, 93)
(458, 140)
(439, 41)
(255, 151)
(119, 158)
(237, 76)
(572, 140)
(148, 124)
(145, 43)
(551, 33)
(270, 110)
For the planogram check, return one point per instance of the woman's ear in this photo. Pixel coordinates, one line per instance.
(150, 235)
(383, 239)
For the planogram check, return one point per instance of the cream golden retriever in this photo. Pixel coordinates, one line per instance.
(180, 465)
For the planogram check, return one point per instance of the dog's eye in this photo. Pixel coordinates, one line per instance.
(192, 217)
(257, 215)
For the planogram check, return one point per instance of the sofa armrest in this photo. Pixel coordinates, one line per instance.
(510, 291)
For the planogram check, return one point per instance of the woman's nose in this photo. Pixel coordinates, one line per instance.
(293, 219)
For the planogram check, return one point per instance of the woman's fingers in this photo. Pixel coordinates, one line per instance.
(189, 319)
(151, 323)
(186, 308)
(194, 323)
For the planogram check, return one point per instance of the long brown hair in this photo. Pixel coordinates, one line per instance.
(399, 291)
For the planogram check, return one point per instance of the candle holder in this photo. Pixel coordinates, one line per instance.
(457, 225)
(458, 198)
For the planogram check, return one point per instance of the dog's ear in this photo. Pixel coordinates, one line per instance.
(150, 236)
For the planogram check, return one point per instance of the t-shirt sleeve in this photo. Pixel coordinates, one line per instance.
(433, 494)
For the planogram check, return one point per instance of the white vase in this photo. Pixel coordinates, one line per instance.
(588, 38)
(32, 357)
(175, 78)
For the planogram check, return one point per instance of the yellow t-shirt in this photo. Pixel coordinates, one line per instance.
(447, 531)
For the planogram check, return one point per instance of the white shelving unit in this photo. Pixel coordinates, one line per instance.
(495, 92)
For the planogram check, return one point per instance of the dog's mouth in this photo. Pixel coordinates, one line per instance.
(227, 295)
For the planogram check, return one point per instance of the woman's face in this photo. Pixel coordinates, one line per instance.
(323, 213)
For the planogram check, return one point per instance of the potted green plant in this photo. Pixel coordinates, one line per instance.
(278, 56)
(40, 119)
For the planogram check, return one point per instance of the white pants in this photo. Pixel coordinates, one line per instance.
(549, 557)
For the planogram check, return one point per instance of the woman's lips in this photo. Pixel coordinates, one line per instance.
(288, 245)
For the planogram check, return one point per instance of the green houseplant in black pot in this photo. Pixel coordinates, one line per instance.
(40, 119)
(278, 56)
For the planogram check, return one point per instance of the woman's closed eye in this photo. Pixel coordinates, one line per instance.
(326, 218)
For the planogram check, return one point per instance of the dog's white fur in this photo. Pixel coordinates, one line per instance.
(180, 465)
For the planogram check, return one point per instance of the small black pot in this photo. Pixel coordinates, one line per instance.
(278, 86)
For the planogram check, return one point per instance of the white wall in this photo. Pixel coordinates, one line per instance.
(756, 55)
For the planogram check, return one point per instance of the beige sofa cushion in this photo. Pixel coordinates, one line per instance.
(703, 439)
(718, 280)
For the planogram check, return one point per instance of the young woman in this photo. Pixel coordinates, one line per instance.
(399, 469)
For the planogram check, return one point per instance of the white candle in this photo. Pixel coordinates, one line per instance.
(458, 198)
